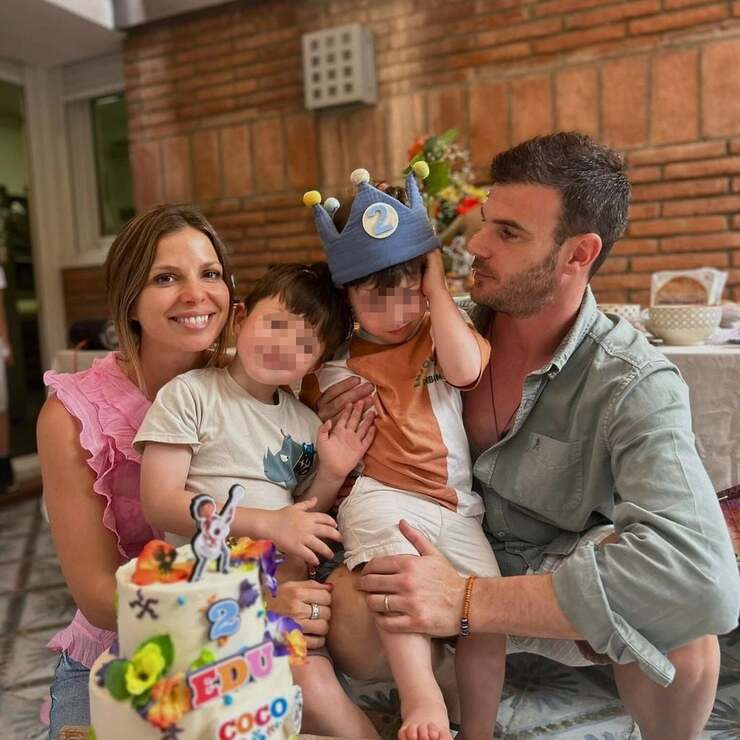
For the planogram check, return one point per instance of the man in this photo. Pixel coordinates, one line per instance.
(597, 505)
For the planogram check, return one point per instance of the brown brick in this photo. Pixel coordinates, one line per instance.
(300, 143)
(405, 120)
(623, 94)
(490, 56)
(644, 174)
(736, 184)
(736, 291)
(680, 153)
(489, 122)
(612, 296)
(236, 155)
(146, 163)
(553, 7)
(674, 112)
(613, 282)
(531, 107)
(636, 246)
(679, 19)
(613, 265)
(362, 130)
(446, 109)
(269, 154)
(736, 259)
(517, 32)
(704, 168)
(702, 242)
(613, 13)
(579, 39)
(639, 211)
(177, 178)
(577, 100)
(679, 261)
(721, 88)
(662, 226)
(206, 164)
(676, 4)
(735, 146)
(694, 207)
(736, 8)
(681, 189)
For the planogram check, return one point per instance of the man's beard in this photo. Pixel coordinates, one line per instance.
(523, 294)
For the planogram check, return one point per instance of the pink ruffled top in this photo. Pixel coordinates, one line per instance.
(110, 409)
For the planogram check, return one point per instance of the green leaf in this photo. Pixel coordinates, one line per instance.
(142, 699)
(448, 137)
(164, 643)
(115, 679)
(439, 178)
(206, 656)
(91, 733)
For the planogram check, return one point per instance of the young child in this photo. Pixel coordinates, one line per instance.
(211, 428)
(419, 351)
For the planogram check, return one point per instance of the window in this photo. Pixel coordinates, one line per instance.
(112, 170)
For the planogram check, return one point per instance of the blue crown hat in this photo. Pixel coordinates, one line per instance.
(380, 231)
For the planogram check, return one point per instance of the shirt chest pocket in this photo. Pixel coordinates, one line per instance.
(550, 474)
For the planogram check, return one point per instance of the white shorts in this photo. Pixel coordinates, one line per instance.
(561, 651)
(368, 520)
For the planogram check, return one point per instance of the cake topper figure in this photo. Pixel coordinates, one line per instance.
(212, 530)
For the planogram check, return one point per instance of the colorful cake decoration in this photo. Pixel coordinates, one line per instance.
(156, 564)
(212, 530)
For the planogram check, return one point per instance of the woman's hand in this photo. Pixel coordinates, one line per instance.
(295, 599)
(406, 593)
(332, 401)
(343, 443)
(297, 531)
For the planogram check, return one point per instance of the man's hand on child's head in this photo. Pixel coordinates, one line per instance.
(296, 531)
(433, 279)
(341, 444)
(332, 401)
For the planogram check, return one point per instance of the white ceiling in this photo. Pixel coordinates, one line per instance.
(54, 32)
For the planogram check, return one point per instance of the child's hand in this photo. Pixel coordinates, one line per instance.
(296, 531)
(433, 279)
(342, 445)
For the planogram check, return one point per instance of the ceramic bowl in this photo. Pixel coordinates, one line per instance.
(629, 311)
(684, 324)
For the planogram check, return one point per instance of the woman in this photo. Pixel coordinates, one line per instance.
(171, 294)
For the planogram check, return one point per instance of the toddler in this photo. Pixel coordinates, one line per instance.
(210, 428)
(419, 351)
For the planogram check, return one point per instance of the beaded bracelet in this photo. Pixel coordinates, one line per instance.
(465, 619)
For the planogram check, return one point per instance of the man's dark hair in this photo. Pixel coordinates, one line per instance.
(308, 291)
(390, 277)
(589, 177)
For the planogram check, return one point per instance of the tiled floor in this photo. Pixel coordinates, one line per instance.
(541, 699)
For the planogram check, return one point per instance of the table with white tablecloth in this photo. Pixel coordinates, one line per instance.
(712, 373)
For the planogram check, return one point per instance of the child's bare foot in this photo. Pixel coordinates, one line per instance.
(424, 719)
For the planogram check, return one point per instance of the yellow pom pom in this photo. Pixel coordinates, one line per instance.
(421, 169)
(311, 198)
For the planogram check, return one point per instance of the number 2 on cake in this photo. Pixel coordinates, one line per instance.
(224, 618)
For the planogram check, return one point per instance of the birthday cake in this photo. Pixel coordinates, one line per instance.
(198, 654)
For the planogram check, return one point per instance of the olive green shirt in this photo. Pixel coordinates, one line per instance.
(603, 434)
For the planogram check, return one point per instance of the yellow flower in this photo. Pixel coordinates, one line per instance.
(145, 668)
(170, 700)
(296, 647)
(449, 193)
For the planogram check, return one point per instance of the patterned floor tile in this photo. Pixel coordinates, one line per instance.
(724, 722)
(44, 544)
(20, 713)
(47, 608)
(29, 660)
(11, 547)
(9, 576)
(45, 572)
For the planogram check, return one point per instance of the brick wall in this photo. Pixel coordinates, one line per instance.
(216, 113)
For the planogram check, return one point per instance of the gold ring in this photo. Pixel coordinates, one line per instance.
(386, 602)
(315, 611)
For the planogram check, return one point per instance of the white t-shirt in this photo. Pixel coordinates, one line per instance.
(267, 448)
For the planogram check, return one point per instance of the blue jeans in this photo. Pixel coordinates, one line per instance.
(70, 700)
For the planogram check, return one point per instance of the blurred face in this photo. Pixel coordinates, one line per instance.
(390, 315)
(185, 303)
(516, 266)
(276, 347)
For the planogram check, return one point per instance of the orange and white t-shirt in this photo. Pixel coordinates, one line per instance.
(420, 444)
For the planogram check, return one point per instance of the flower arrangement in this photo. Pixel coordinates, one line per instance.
(448, 190)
